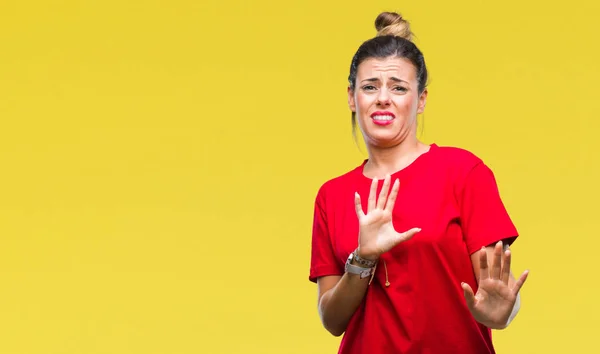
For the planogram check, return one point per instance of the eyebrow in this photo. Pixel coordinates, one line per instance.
(373, 79)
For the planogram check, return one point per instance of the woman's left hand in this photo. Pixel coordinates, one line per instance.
(496, 297)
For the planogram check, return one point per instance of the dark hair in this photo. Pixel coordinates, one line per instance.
(393, 39)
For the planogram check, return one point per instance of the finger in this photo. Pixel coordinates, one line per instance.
(401, 237)
(384, 193)
(407, 235)
(519, 283)
(506, 267)
(469, 295)
(497, 262)
(358, 206)
(483, 264)
(372, 195)
(389, 206)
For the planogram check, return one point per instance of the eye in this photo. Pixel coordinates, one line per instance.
(399, 89)
(369, 88)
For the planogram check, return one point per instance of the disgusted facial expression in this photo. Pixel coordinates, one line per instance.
(386, 100)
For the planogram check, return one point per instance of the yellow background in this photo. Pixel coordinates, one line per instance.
(159, 162)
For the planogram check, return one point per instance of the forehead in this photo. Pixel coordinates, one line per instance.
(383, 67)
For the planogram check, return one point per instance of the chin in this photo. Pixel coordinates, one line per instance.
(384, 140)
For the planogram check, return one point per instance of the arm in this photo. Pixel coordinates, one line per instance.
(339, 297)
(485, 221)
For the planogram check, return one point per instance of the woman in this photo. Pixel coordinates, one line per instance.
(396, 271)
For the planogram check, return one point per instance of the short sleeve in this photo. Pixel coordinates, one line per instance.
(323, 261)
(484, 218)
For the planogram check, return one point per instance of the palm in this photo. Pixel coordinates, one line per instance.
(493, 302)
(495, 298)
(377, 234)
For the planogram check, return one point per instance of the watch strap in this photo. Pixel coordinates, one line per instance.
(367, 263)
(362, 272)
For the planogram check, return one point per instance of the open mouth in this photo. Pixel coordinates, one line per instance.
(382, 118)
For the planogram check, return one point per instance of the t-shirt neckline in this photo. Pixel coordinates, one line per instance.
(410, 166)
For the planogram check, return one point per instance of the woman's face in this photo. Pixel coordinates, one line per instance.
(386, 100)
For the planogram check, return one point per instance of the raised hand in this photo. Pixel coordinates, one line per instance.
(493, 304)
(376, 230)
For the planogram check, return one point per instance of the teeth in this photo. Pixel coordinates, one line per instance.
(383, 117)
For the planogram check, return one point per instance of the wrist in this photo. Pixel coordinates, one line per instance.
(361, 254)
(358, 266)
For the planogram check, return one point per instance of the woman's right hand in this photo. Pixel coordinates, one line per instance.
(376, 229)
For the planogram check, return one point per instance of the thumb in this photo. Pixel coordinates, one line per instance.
(469, 295)
(407, 235)
(400, 237)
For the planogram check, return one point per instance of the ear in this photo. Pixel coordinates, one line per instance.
(351, 100)
(422, 101)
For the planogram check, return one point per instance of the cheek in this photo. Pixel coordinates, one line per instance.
(409, 107)
(406, 103)
(363, 102)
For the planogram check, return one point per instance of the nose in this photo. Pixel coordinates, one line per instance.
(383, 99)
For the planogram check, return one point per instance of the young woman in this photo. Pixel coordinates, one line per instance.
(410, 248)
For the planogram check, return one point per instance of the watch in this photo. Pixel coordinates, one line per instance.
(367, 263)
(353, 269)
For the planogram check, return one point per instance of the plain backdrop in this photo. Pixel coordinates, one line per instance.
(160, 159)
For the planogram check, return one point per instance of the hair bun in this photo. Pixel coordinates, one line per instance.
(392, 24)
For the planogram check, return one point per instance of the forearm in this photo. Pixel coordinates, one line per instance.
(337, 305)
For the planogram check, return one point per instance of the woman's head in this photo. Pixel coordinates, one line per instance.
(387, 83)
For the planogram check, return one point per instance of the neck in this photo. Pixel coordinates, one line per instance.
(383, 161)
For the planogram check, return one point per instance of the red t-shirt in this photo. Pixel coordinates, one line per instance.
(452, 196)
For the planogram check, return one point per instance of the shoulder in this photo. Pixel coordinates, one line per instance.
(467, 171)
(459, 167)
(455, 162)
(457, 156)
